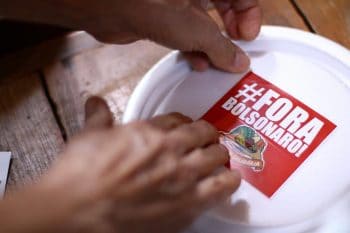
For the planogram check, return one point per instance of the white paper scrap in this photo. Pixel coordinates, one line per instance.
(5, 158)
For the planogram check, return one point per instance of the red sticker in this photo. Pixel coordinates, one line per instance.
(268, 132)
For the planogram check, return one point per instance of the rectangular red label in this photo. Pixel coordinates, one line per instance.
(268, 132)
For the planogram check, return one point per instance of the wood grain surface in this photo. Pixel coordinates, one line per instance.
(111, 71)
(27, 128)
(330, 18)
(282, 13)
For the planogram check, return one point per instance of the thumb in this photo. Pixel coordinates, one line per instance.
(189, 28)
(222, 52)
(198, 32)
(97, 113)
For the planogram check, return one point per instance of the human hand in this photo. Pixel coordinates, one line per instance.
(181, 24)
(153, 176)
(178, 24)
(242, 20)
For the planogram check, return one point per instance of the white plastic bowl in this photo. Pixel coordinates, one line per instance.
(311, 68)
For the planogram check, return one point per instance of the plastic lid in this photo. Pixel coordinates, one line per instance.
(313, 70)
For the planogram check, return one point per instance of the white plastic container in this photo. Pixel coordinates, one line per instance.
(314, 70)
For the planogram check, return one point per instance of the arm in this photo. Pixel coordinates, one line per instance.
(39, 208)
(152, 175)
(183, 24)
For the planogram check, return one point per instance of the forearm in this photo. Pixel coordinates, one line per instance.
(66, 13)
(88, 15)
(35, 210)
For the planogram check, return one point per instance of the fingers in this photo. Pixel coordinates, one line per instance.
(193, 167)
(97, 113)
(242, 18)
(199, 61)
(190, 136)
(169, 121)
(192, 29)
(149, 140)
(208, 39)
(204, 162)
(192, 201)
(172, 173)
(149, 181)
(146, 144)
(215, 188)
(173, 176)
(222, 53)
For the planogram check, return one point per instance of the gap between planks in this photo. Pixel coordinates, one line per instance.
(53, 105)
(302, 16)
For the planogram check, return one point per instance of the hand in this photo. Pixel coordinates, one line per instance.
(156, 175)
(242, 20)
(180, 24)
(153, 176)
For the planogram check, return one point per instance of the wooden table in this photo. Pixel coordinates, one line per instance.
(43, 88)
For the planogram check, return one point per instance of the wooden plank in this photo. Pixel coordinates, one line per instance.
(111, 71)
(330, 18)
(281, 13)
(27, 128)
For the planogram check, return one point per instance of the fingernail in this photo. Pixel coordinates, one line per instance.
(241, 62)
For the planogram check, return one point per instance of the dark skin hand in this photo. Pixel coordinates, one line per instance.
(178, 24)
(155, 176)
